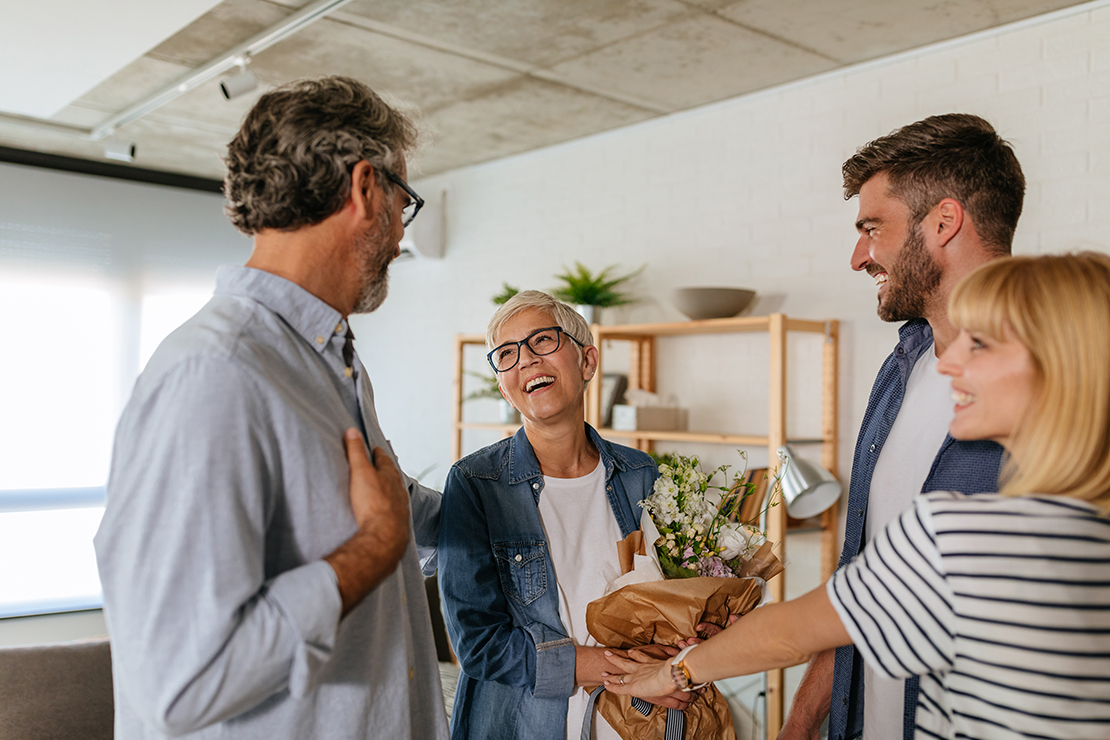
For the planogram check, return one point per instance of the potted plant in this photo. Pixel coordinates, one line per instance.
(507, 292)
(590, 292)
(490, 389)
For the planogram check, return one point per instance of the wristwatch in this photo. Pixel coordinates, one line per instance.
(680, 674)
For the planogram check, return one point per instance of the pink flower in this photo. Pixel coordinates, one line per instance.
(714, 567)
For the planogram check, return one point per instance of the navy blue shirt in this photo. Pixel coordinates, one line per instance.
(967, 467)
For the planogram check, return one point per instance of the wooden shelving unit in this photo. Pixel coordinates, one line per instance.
(642, 375)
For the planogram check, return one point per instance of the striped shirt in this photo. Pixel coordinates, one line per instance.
(1002, 605)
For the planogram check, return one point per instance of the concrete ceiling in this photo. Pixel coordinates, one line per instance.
(490, 78)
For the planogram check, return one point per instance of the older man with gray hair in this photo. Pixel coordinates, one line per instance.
(254, 585)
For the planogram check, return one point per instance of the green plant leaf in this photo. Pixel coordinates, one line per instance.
(582, 287)
(488, 389)
(507, 292)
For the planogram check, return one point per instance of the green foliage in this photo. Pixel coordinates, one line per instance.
(663, 458)
(507, 292)
(488, 388)
(582, 287)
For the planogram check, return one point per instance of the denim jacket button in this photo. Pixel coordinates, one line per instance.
(535, 485)
(871, 448)
(518, 558)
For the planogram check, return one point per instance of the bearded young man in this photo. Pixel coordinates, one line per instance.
(253, 587)
(937, 199)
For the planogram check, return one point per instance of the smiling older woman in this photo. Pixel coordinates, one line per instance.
(528, 536)
(1000, 601)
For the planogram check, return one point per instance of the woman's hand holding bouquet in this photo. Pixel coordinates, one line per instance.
(697, 568)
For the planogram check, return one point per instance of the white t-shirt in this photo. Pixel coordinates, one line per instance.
(900, 472)
(999, 604)
(582, 535)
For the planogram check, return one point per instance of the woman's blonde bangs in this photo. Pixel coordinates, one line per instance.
(1058, 307)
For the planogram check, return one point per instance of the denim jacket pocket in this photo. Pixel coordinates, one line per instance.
(523, 569)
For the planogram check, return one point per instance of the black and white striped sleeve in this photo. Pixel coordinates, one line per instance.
(894, 601)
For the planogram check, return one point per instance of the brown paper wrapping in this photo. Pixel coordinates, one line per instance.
(665, 612)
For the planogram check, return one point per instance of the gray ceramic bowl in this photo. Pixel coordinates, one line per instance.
(712, 303)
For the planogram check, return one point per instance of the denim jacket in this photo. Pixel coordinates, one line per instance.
(964, 466)
(499, 590)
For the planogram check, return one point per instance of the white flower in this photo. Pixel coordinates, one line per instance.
(734, 539)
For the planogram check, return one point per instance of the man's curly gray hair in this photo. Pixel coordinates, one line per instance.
(290, 164)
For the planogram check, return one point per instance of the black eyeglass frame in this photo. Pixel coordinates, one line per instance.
(559, 332)
(396, 180)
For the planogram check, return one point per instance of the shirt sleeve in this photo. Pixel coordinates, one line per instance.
(425, 503)
(894, 599)
(199, 632)
(489, 644)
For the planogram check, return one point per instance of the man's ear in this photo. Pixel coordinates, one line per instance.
(366, 195)
(944, 221)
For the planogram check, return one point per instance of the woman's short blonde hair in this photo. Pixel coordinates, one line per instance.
(1058, 307)
(565, 316)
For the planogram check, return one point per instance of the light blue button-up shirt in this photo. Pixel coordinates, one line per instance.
(229, 484)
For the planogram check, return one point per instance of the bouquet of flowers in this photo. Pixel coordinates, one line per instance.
(696, 521)
(696, 559)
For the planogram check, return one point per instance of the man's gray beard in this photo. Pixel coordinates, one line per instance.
(913, 281)
(375, 256)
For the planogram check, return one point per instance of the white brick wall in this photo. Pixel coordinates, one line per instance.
(744, 192)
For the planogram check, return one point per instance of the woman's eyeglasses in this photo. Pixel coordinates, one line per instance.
(540, 342)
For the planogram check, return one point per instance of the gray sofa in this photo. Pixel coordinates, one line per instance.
(56, 692)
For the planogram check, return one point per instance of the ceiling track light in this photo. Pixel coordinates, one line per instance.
(120, 152)
(284, 28)
(239, 83)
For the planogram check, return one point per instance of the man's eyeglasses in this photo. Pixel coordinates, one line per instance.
(541, 342)
(408, 213)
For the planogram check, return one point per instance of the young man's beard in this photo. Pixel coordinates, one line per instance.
(912, 282)
(373, 249)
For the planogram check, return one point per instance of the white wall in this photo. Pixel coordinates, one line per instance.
(742, 193)
(748, 193)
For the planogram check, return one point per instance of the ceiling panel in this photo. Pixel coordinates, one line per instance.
(79, 44)
(489, 77)
(414, 74)
(696, 61)
(868, 29)
(537, 32)
(501, 122)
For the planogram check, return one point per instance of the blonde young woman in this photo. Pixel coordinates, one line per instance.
(528, 536)
(1001, 602)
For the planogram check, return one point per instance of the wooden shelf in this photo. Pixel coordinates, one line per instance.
(672, 436)
(743, 440)
(491, 426)
(642, 375)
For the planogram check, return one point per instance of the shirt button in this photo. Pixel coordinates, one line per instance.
(519, 558)
(348, 372)
(871, 449)
(319, 340)
(411, 673)
(339, 328)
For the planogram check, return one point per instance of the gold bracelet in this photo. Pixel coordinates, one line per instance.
(680, 674)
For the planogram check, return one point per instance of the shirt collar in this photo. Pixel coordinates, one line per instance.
(915, 337)
(523, 464)
(314, 320)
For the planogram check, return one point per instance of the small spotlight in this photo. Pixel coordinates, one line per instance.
(120, 152)
(238, 84)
